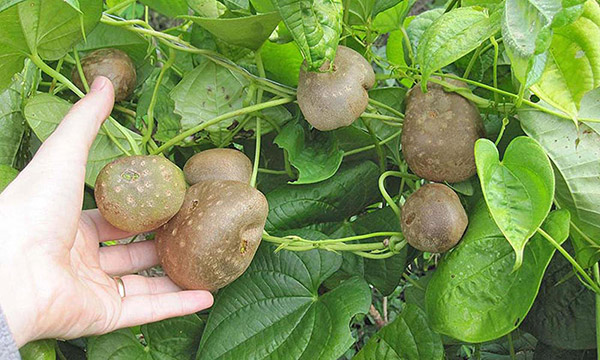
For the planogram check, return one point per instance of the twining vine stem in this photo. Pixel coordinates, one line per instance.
(258, 134)
(384, 192)
(150, 114)
(374, 250)
(588, 280)
(245, 110)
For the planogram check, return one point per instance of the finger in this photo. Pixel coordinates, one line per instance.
(142, 285)
(143, 309)
(54, 179)
(128, 259)
(78, 129)
(105, 230)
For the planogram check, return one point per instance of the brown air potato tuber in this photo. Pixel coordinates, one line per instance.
(139, 193)
(218, 164)
(213, 238)
(112, 63)
(433, 219)
(439, 133)
(334, 99)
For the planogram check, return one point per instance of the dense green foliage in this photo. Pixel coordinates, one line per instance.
(333, 277)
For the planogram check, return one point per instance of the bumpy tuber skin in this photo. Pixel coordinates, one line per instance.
(111, 63)
(334, 99)
(218, 164)
(433, 219)
(139, 193)
(213, 238)
(439, 133)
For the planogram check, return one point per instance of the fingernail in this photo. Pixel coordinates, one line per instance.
(99, 83)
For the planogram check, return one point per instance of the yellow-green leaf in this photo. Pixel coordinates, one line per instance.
(573, 65)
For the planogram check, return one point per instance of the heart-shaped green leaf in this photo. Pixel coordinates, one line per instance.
(518, 190)
(297, 206)
(276, 311)
(409, 337)
(474, 295)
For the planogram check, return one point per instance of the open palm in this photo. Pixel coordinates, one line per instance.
(55, 279)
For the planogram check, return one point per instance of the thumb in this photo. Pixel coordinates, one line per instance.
(74, 135)
(59, 164)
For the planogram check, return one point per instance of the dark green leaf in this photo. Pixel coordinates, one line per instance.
(562, 313)
(44, 112)
(475, 295)
(168, 7)
(518, 190)
(39, 350)
(547, 352)
(175, 338)
(453, 35)
(383, 274)
(275, 310)
(335, 199)
(315, 154)
(572, 152)
(409, 337)
(248, 31)
(355, 137)
(316, 26)
(117, 345)
(415, 294)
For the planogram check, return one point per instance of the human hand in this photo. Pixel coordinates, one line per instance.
(55, 281)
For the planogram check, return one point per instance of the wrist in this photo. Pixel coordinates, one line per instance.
(18, 311)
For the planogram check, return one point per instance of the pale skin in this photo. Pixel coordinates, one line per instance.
(55, 280)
